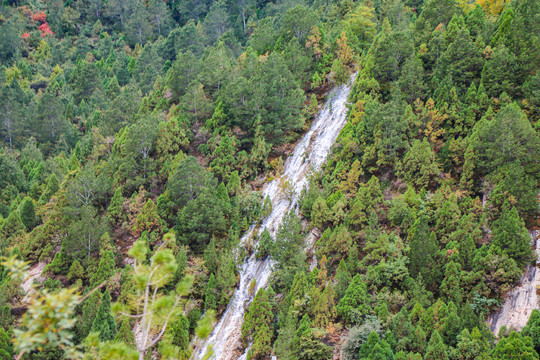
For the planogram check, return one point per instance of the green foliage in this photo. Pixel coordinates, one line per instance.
(104, 322)
(115, 212)
(354, 303)
(510, 234)
(210, 297)
(28, 213)
(508, 138)
(257, 325)
(420, 166)
(436, 348)
(532, 329)
(106, 268)
(515, 346)
(288, 248)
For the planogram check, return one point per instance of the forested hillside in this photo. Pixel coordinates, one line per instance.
(137, 135)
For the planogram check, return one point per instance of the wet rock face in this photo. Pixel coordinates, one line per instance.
(309, 155)
(522, 300)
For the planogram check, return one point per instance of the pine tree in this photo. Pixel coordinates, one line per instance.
(148, 219)
(510, 234)
(89, 310)
(76, 271)
(5, 344)
(181, 260)
(424, 254)
(5, 315)
(420, 165)
(125, 334)
(325, 310)
(28, 213)
(180, 332)
(104, 322)
(532, 329)
(256, 326)
(52, 187)
(436, 349)
(106, 269)
(354, 303)
(210, 297)
(467, 250)
(466, 181)
(343, 278)
(115, 211)
(515, 346)
(12, 226)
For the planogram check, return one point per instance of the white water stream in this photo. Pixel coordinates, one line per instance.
(309, 155)
(522, 300)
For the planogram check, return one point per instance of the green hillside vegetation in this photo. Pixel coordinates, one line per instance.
(140, 133)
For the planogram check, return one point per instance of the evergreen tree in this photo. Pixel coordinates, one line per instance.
(125, 334)
(451, 286)
(28, 213)
(148, 219)
(508, 138)
(256, 326)
(343, 279)
(106, 269)
(115, 211)
(88, 314)
(532, 329)
(210, 298)
(5, 316)
(510, 234)
(424, 254)
(5, 345)
(436, 348)
(354, 304)
(180, 332)
(515, 346)
(420, 166)
(12, 226)
(104, 322)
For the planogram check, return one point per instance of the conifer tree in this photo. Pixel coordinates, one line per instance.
(106, 268)
(256, 326)
(28, 213)
(510, 234)
(180, 332)
(52, 187)
(104, 322)
(436, 348)
(343, 278)
(76, 271)
(354, 304)
(125, 334)
(210, 297)
(532, 329)
(12, 226)
(148, 219)
(420, 166)
(115, 211)
(89, 311)
(451, 286)
(6, 348)
(515, 346)
(5, 315)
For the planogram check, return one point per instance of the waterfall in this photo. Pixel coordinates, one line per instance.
(522, 300)
(309, 155)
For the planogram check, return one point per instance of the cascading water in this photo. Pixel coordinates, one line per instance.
(522, 300)
(308, 155)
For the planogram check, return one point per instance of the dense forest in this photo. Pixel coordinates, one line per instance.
(136, 136)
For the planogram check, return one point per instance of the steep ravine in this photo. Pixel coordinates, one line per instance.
(309, 154)
(522, 300)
